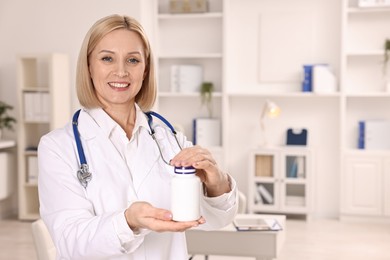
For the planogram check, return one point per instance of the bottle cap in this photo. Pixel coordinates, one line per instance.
(185, 170)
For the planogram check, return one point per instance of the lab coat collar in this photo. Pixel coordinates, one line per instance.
(106, 123)
(147, 153)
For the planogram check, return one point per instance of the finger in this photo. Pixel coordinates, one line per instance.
(188, 153)
(170, 226)
(160, 214)
(192, 155)
(204, 164)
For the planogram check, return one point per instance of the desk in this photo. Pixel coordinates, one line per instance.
(6, 169)
(264, 245)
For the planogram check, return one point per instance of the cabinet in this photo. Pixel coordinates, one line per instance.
(280, 181)
(44, 105)
(190, 39)
(366, 96)
(367, 192)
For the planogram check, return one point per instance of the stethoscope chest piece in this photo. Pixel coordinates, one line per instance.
(84, 175)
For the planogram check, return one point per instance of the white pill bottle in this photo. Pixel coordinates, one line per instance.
(185, 194)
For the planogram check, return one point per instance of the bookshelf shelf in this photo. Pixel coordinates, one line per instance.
(190, 16)
(280, 181)
(371, 10)
(210, 55)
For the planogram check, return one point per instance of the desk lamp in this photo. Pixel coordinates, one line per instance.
(270, 110)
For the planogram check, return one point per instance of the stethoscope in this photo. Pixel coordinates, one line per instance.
(84, 175)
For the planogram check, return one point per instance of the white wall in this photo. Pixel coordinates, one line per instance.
(41, 26)
(59, 26)
(279, 27)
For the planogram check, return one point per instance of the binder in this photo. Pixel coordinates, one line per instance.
(323, 80)
(186, 78)
(207, 131)
(307, 78)
(377, 134)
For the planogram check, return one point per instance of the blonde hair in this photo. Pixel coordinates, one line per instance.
(84, 86)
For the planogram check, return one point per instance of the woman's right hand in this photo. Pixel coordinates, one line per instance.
(143, 215)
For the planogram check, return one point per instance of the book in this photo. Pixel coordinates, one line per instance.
(374, 135)
(257, 197)
(361, 135)
(207, 132)
(307, 78)
(256, 224)
(291, 167)
(265, 194)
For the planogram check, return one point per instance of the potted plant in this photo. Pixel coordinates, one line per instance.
(386, 54)
(206, 92)
(6, 121)
(385, 63)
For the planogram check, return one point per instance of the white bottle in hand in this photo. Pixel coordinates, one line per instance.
(185, 194)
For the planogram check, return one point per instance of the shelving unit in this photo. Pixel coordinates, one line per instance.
(248, 73)
(45, 77)
(366, 96)
(190, 39)
(281, 181)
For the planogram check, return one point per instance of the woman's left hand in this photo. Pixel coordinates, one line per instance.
(216, 182)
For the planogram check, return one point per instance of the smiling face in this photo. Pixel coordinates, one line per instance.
(117, 68)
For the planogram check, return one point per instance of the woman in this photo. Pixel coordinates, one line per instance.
(122, 212)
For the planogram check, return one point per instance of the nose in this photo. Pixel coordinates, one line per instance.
(121, 70)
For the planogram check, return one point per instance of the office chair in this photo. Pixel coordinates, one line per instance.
(44, 245)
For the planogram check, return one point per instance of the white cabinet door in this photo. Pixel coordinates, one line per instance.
(362, 186)
(279, 180)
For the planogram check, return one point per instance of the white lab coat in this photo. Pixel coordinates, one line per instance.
(90, 223)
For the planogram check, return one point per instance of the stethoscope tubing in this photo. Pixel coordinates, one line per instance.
(83, 173)
(76, 133)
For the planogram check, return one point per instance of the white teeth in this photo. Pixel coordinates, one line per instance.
(118, 85)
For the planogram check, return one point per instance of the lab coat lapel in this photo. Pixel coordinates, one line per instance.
(97, 142)
(145, 158)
